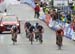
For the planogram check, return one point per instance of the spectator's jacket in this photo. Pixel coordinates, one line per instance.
(73, 26)
(63, 19)
(37, 9)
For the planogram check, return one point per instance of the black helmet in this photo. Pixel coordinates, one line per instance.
(37, 23)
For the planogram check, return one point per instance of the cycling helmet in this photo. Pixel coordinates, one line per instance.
(37, 23)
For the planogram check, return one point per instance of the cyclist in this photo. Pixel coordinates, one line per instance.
(40, 31)
(36, 31)
(31, 34)
(59, 37)
(14, 33)
(26, 27)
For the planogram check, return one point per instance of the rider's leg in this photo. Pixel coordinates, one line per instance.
(60, 42)
(57, 39)
(26, 34)
(37, 37)
(31, 38)
(40, 38)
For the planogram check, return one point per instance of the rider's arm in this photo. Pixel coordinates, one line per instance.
(57, 33)
(25, 28)
(62, 33)
(11, 30)
(42, 30)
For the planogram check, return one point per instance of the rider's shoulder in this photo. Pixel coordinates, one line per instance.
(40, 26)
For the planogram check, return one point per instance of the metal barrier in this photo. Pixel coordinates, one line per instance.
(68, 31)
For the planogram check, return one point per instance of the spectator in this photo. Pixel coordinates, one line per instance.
(68, 17)
(63, 19)
(37, 10)
(54, 16)
(73, 27)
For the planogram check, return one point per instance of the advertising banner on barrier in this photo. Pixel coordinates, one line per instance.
(66, 28)
(73, 36)
(54, 25)
(60, 3)
(68, 31)
(30, 2)
(43, 17)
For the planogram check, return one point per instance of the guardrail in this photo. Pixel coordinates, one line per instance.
(68, 31)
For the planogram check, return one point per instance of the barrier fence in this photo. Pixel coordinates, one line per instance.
(68, 31)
